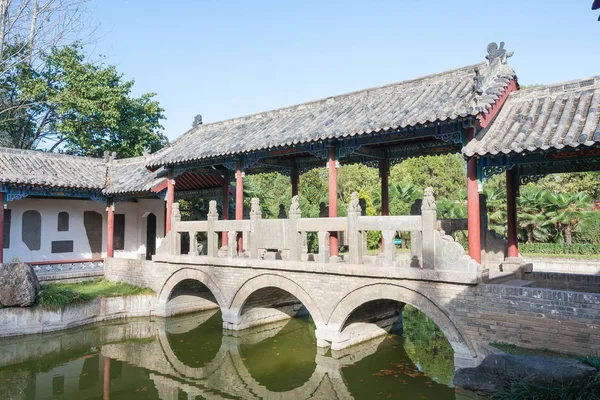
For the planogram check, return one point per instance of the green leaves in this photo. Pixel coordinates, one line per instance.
(79, 107)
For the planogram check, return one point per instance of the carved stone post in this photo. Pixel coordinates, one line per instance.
(389, 250)
(323, 246)
(212, 237)
(416, 238)
(295, 236)
(231, 245)
(193, 243)
(176, 236)
(354, 235)
(429, 218)
(255, 217)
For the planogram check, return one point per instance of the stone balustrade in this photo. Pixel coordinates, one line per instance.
(286, 239)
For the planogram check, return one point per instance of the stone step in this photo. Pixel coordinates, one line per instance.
(518, 282)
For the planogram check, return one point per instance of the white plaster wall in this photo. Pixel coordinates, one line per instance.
(49, 208)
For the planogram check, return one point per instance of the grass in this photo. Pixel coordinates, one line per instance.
(564, 256)
(524, 388)
(58, 295)
(511, 348)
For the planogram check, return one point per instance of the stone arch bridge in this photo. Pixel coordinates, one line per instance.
(354, 298)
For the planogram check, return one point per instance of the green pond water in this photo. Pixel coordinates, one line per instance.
(189, 357)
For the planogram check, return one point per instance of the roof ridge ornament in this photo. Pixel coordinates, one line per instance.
(496, 53)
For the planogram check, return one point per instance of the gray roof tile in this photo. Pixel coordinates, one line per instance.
(543, 118)
(36, 168)
(447, 95)
(130, 175)
(55, 170)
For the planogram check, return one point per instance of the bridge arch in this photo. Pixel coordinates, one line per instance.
(277, 284)
(191, 276)
(464, 351)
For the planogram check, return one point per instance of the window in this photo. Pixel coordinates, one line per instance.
(32, 229)
(119, 234)
(62, 246)
(7, 215)
(63, 221)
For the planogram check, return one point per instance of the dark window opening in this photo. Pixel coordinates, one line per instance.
(62, 246)
(6, 240)
(63, 221)
(119, 233)
(32, 229)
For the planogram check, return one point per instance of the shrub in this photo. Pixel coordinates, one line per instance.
(560, 248)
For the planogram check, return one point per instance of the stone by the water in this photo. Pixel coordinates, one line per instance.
(19, 286)
(497, 370)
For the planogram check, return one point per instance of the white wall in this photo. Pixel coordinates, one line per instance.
(135, 228)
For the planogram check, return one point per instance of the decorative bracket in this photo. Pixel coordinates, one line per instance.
(525, 179)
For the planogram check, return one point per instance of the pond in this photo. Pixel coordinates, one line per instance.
(189, 357)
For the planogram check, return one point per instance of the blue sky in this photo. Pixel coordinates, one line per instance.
(224, 59)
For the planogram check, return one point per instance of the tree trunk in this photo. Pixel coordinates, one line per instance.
(568, 233)
(529, 234)
(32, 27)
(4, 5)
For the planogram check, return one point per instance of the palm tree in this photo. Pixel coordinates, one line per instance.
(531, 214)
(454, 209)
(496, 205)
(401, 197)
(566, 211)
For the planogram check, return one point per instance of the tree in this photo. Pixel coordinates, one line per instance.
(566, 211)
(531, 214)
(588, 182)
(354, 178)
(33, 27)
(78, 107)
(445, 173)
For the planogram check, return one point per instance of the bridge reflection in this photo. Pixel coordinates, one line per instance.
(189, 357)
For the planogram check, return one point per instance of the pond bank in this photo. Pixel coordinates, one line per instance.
(26, 321)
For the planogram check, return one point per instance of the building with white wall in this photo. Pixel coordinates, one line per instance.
(57, 207)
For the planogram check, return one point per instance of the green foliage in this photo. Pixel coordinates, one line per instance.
(58, 295)
(560, 248)
(355, 178)
(593, 360)
(274, 191)
(80, 107)
(54, 296)
(426, 345)
(445, 173)
(588, 230)
(373, 237)
(586, 182)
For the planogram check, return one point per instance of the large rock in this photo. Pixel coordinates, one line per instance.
(497, 370)
(19, 285)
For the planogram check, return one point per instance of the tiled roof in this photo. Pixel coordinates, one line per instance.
(543, 118)
(448, 95)
(130, 175)
(36, 168)
(55, 170)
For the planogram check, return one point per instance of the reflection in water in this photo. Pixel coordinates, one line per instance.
(189, 358)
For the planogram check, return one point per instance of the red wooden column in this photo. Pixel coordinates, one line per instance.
(474, 222)
(224, 238)
(110, 231)
(2, 227)
(106, 378)
(385, 190)
(170, 200)
(332, 163)
(511, 212)
(294, 178)
(239, 200)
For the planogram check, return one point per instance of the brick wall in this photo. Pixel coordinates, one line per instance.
(559, 320)
(530, 317)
